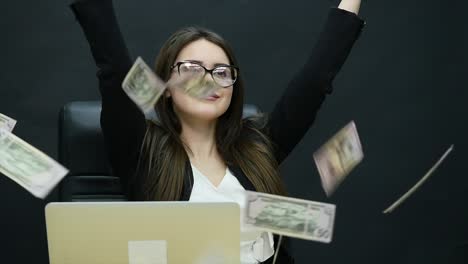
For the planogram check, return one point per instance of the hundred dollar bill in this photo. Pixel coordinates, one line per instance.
(289, 216)
(337, 157)
(143, 86)
(6, 122)
(27, 166)
(419, 183)
(198, 87)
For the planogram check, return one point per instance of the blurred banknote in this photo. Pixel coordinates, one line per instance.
(6, 122)
(143, 86)
(289, 217)
(27, 166)
(198, 87)
(336, 158)
(419, 183)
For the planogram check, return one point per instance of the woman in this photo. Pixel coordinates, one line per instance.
(201, 149)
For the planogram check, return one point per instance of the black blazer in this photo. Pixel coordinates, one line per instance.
(123, 124)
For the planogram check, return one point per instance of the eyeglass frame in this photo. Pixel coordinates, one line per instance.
(207, 71)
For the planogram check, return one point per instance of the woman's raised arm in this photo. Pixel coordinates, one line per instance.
(296, 110)
(122, 123)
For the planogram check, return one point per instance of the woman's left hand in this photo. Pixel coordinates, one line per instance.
(350, 5)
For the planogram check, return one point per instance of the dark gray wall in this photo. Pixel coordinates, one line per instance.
(404, 85)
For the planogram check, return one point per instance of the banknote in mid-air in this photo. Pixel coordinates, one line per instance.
(27, 166)
(419, 183)
(337, 157)
(198, 87)
(143, 86)
(7, 122)
(289, 216)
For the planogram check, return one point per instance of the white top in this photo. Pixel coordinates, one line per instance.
(256, 246)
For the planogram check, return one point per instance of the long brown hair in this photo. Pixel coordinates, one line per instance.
(163, 159)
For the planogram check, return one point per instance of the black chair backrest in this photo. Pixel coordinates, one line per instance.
(82, 151)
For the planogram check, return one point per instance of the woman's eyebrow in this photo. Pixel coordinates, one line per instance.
(201, 63)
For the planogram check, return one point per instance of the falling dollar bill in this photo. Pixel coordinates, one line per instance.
(289, 216)
(27, 166)
(198, 87)
(143, 86)
(336, 158)
(7, 123)
(419, 183)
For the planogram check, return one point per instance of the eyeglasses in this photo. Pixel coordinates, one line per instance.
(223, 75)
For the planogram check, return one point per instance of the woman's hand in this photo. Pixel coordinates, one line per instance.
(350, 5)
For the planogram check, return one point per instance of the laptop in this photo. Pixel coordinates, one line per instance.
(143, 232)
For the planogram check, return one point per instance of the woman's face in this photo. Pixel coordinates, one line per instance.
(208, 108)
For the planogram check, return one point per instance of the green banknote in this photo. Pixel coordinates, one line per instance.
(143, 86)
(27, 166)
(289, 216)
(337, 157)
(7, 122)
